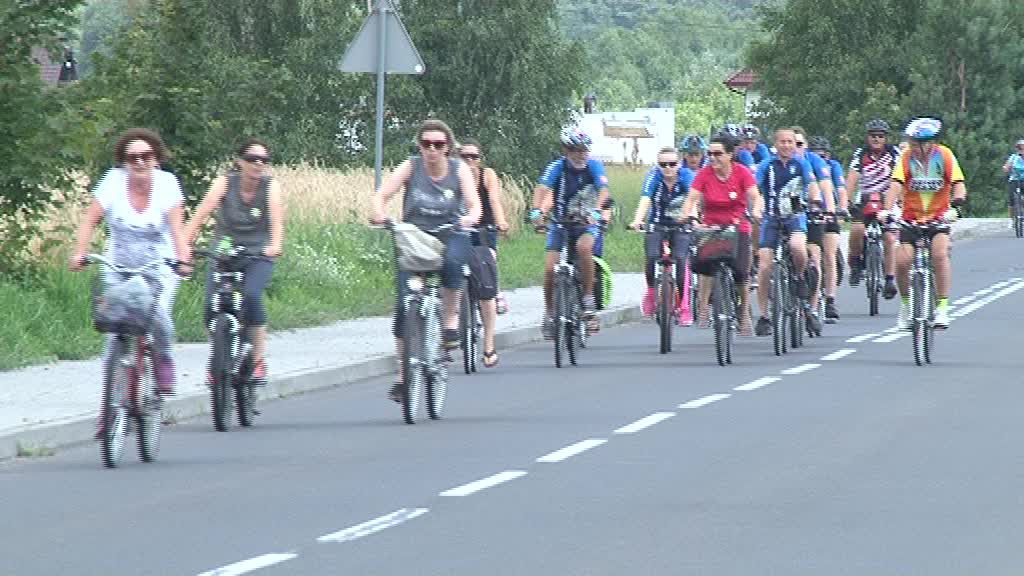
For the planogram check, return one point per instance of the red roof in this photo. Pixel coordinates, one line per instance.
(48, 70)
(741, 79)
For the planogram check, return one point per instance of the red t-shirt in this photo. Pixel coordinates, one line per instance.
(725, 201)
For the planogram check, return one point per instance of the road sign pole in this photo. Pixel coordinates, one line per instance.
(382, 7)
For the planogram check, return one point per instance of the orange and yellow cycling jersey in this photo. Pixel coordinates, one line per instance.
(927, 192)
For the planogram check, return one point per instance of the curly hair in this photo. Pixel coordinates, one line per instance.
(146, 135)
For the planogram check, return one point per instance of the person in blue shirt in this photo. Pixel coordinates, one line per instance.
(750, 141)
(574, 174)
(816, 227)
(1014, 170)
(786, 181)
(830, 241)
(740, 154)
(662, 197)
(695, 152)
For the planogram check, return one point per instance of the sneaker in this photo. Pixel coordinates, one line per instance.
(831, 313)
(889, 292)
(941, 320)
(903, 319)
(547, 327)
(764, 327)
(647, 305)
(814, 324)
(704, 318)
(259, 373)
(746, 327)
(500, 303)
(684, 316)
(856, 274)
(589, 306)
(395, 393)
(164, 376)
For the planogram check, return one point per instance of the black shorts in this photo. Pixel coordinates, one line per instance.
(815, 231)
(832, 226)
(907, 237)
(740, 266)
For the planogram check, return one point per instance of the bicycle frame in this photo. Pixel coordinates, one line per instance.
(922, 287)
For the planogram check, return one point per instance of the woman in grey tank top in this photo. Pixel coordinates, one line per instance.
(249, 212)
(437, 188)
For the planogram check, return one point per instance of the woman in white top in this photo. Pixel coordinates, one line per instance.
(143, 207)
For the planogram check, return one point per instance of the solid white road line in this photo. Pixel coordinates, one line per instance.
(645, 422)
(964, 300)
(801, 369)
(375, 525)
(704, 401)
(570, 451)
(890, 330)
(250, 565)
(892, 337)
(988, 299)
(755, 384)
(484, 483)
(861, 338)
(839, 354)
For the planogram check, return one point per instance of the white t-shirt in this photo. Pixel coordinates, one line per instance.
(137, 238)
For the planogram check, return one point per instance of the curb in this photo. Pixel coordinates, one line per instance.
(45, 439)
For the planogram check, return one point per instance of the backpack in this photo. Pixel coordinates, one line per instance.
(483, 278)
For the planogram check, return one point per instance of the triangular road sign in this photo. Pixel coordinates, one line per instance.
(400, 55)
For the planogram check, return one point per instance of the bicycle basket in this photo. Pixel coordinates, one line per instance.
(416, 250)
(715, 245)
(123, 305)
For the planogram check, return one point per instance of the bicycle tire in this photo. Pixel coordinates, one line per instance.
(412, 364)
(920, 325)
(245, 396)
(558, 327)
(731, 307)
(113, 415)
(811, 278)
(840, 266)
(873, 283)
(466, 330)
(150, 416)
(718, 321)
(435, 368)
(1018, 214)
(929, 335)
(778, 306)
(575, 325)
(666, 299)
(221, 365)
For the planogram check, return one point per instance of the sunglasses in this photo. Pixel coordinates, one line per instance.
(877, 135)
(799, 144)
(668, 164)
(256, 159)
(136, 156)
(433, 144)
(470, 156)
(716, 153)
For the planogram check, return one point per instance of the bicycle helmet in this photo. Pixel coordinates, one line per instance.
(819, 143)
(1020, 142)
(750, 132)
(575, 138)
(726, 136)
(693, 144)
(923, 129)
(877, 125)
(733, 130)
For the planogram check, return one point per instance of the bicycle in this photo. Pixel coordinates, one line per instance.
(718, 244)
(665, 282)
(922, 288)
(570, 329)
(125, 310)
(1018, 210)
(231, 361)
(874, 257)
(812, 274)
(786, 307)
(424, 365)
(470, 322)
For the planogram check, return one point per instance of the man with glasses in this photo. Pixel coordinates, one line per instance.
(830, 241)
(782, 177)
(815, 231)
(694, 152)
(563, 178)
(867, 182)
(1014, 169)
(661, 201)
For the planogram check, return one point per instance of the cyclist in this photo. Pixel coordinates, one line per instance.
(750, 141)
(251, 213)
(830, 241)
(780, 177)
(871, 173)
(930, 183)
(694, 151)
(561, 180)
(816, 231)
(143, 207)
(724, 192)
(1014, 169)
(437, 190)
(740, 154)
(661, 201)
(489, 189)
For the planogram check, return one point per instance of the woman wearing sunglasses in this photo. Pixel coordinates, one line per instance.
(439, 190)
(249, 212)
(493, 214)
(143, 207)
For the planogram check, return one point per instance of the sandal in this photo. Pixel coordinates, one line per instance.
(395, 394)
(488, 363)
(452, 338)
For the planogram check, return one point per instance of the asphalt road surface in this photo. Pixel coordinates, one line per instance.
(842, 457)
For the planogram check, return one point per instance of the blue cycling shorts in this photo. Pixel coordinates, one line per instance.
(556, 236)
(793, 223)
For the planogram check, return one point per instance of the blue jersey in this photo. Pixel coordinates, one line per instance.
(1016, 162)
(777, 179)
(818, 164)
(761, 153)
(743, 156)
(565, 180)
(663, 200)
(837, 178)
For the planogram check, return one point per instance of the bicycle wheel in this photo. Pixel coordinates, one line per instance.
(719, 323)
(666, 301)
(466, 330)
(413, 335)
(919, 326)
(150, 416)
(113, 416)
(435, 368)
(811, 278)
(873, 282)
(245, 395)
(840, 266)
(731, 307)
(575, 325)
(221, 364)
(561, 314)
(778, 306)
(929, 334)
(694, 290)
(1018, 215)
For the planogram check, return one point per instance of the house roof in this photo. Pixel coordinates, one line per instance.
(740, 80)
(49, 71)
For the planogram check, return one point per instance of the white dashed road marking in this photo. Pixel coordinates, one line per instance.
(754, 385)
(704, 401)
(250, 565)
(861, 338)
(484, 483)
(645, 422)
(373, 526)
(892, 337)
(839, 354)
(570, 451)
(801, 369)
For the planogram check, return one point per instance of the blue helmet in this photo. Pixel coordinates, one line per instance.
(923, 128)
(575, 138)
(693, 144)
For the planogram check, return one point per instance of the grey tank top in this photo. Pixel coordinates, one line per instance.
(430, 203)
(248, 224)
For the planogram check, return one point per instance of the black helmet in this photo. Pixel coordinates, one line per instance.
(750, 132)
(727, 136)
(877, 125)
(819, 143)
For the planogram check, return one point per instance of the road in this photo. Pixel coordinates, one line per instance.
(823, 461)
